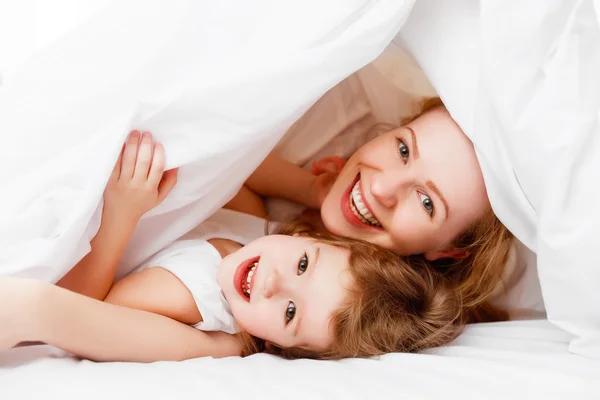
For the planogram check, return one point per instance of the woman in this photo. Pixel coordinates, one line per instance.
(417, 190)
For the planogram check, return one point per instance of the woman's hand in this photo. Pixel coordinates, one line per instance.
(17, 310)
(138, 182)
(326, 171)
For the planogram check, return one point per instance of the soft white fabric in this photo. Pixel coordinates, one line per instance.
(512, 360)
(521, 78)
(217, 82)
(195, 262)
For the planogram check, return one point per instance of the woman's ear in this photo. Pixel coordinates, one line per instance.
(452, 252)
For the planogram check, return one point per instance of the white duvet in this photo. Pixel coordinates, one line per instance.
(218, 83)
(219, 88)
(522, 79)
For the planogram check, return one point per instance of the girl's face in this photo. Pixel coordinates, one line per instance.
(411, 190)
(284, 289)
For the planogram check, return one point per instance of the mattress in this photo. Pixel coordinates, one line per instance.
(510, 360)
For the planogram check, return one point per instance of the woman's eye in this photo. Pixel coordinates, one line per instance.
(427, 203)
(303, 264)
(290, 312)
(403, 150)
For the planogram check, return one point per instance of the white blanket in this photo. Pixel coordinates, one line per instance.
(217, 82)
(522, 79)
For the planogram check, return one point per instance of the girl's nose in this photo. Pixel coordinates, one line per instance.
(271, 285)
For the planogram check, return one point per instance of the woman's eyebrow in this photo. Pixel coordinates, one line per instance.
(435, 189)
(415, 146)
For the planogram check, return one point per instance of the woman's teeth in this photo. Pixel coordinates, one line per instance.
(246, 285)
(359, 208)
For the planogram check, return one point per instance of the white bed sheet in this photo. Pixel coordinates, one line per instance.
(514, 360)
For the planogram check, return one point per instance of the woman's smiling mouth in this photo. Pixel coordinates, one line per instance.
(355, 207)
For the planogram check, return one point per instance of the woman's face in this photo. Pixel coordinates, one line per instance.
(411, 190)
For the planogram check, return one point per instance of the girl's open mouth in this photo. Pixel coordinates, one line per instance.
(355, 208)
(243, 277)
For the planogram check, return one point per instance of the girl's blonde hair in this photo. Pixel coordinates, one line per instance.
(487, 243)
(393, 305)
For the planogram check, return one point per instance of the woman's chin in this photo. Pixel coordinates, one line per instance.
(334, 222)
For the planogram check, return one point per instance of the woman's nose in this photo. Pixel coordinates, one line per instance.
(386, 187)
(271, 284)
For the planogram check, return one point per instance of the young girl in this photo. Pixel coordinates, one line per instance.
(298, 293)
(417, 190)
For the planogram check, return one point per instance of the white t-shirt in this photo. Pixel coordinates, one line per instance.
(195, 262)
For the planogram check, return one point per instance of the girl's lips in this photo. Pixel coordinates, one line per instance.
(347, 211)
(239, 276)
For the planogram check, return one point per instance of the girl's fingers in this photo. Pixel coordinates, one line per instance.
(114, 176)
(167, 183)
(144, 158)
(130, 155)
(158, 165)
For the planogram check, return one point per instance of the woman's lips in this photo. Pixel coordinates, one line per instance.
(347, 210)
(239, 276)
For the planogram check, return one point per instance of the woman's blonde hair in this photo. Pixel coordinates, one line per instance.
(393, 305)
(487, 243)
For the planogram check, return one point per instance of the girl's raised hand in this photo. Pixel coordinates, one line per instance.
(138, 182)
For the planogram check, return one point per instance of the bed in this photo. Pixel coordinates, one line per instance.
(525, 358)
(515, 360)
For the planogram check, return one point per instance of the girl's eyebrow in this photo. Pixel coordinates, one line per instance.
(297, 327)
(314, 264)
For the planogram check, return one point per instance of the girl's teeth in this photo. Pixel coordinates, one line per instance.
(246, 288)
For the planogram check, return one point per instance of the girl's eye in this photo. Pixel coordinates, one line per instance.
(290, 312)
(427, 203)
(303, 264)
(403, 150)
